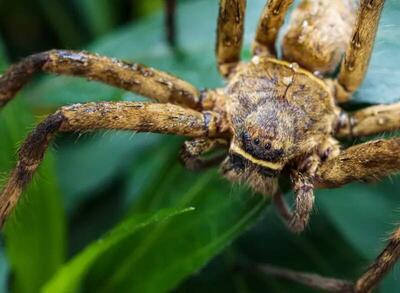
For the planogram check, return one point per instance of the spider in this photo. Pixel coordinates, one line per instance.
(273, 117)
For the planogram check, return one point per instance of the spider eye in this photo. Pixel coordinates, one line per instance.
(246, 137)
(259, 149)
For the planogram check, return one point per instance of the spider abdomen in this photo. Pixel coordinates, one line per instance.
(318, 34)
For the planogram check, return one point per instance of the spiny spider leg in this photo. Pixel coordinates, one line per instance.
(134, 77)
(303, 188)
(367, 282)
(355, 63)
(193, 149)
(369, 121)
(298, 219)
(229, 34)
(170, 21)
(365, 162)
(381, 266)
(271, 20)
(143, 117)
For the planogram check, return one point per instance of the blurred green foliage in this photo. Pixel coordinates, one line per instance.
(64, 23)
(116, 211)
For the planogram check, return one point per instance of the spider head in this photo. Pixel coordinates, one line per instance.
(255, 160)
(265, 138)
(262, 144)
(240, 168)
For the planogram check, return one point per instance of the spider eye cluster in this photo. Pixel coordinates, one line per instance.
(260, 149)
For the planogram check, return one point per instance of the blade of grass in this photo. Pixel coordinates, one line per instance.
(69, 278)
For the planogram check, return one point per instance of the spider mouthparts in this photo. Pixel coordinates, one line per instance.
(268, 172)
(261, 163)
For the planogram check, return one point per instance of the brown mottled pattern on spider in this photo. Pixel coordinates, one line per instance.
(134, 77)
(272, 118)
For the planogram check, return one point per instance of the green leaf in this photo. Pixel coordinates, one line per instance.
(69, 278)
(35, 232)
(161, 259)
(92, 158)
(320, 249)
(353, 211)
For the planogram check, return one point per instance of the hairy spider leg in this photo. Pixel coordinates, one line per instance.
(369, 121)
(271, 20)
(192, 150)
(355, 62)
(381, 266)
(303, 187)
(229, 34)
(311, 280)
(364, 284)
(133, 77)
(133, 116)
(365, 162)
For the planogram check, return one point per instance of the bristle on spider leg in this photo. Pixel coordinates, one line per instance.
(30, 156)
(304, 205)
(381, 266)
(18, 74)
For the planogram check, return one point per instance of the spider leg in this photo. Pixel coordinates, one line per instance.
(308, 279)
(170, 22)
(367, 282)
(282, 207)
(192, 150)
(229, 34)
(381, 266)
(303, 187)
(369, 121)
(143, 117)
(355, 63)
(365, 162)
(297, 219)
(304, 190)
(271, 20)
(134, 77)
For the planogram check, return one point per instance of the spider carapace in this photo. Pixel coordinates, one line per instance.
(279, 114)
(273, 117)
